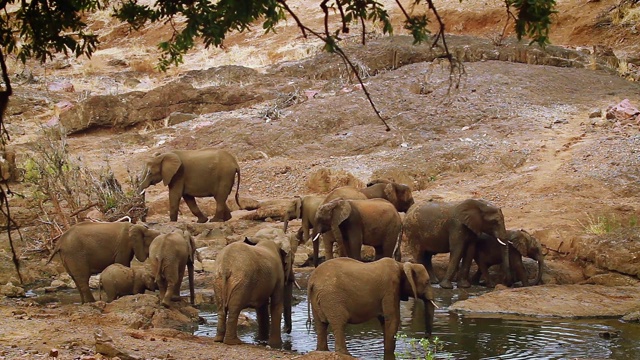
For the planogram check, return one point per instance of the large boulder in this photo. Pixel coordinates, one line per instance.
(615, 251)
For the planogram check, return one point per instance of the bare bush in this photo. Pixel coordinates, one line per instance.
(64, 188)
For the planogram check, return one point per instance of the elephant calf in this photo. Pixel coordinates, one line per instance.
(521, 243)
(346, 291)
(170, 254)
(118, 280)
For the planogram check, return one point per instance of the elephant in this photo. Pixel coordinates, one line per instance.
(194, 173)
(440, 227)
(256, 273)
(310, 204)
(521, 243)
(292, 212)
(169, 254)
(353, 223)
(87, 248)
(397, 194)
(346, 291)
(118, 280)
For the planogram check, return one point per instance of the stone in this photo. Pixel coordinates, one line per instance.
(632, 317)
(178, 117)
(106, 346)
(10, 290)
(595, 113)
(623, 111)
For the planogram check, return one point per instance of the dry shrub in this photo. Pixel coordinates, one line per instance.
(63, 187)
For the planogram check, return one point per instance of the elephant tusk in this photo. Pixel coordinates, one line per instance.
(501, 242)
(295, 282)
(434, 304)
(142, 192)
(316, 237)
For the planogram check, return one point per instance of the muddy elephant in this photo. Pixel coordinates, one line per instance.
(398, 194)
(310, 204)
(294, 211)
(194, 173)
(346, 291)
(521, 243)
(440, 227)
(256, 273)
(88, 248)
(353, 223)
(118, 280)
(169, 255)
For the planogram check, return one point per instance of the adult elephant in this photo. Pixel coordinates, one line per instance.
(434, 227)
(169, 255)
(346, 291)
(194, 173)
(88, 248)
(353, 223)
(257, 273)
(310, 205)
(118, 280)
(521, 243)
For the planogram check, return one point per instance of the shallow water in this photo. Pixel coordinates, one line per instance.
(464, 337)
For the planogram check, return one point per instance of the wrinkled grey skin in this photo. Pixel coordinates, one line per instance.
(169, 255)
(194, 173)
(353, 223)
(346, 291)
(88, 248)
(521, 243)
(258, 276)
(118, 280)
(440, 227)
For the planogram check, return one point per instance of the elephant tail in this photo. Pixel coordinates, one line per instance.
(54, 252)
(238, 189)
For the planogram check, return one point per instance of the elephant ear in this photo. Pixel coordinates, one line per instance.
(192, 246)
(390, 193)
(468, 213)
(137, 241)
(408, 271)
(340, 212)
(170, 165)
(523, 242)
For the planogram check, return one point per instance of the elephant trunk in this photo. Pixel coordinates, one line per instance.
(540, 265)
(342, 247)
(191, 286)
(316, 251)
(288, 298)
(506, 268)
(429, 314)
(145, 182)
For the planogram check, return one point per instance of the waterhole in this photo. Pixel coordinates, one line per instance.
(463, 337)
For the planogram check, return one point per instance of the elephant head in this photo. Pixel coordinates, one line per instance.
(143, 280)
(141, 237)
(162, 167)
(398, 194)
(479, 217)
(529, 246)
(294, 211)
(415, 282)
(329, 216)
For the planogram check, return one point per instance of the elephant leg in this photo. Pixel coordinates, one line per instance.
(425, 259)
(475, 279)
(275, 335)
(327, 240)
(195, 210)
(340, 337)
(483, 270)
(452, 267)
(162, 289)
(463, 274)
(82, 283)
(380, 253)
(521, 272)
(390, 323)
(223, 213)
(262, 313)
(174, 203)
(221, 328)
(322, 331)
(231, 335)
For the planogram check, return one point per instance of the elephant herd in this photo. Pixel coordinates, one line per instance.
(258, 272)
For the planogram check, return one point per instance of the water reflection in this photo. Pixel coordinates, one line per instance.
(467, 337)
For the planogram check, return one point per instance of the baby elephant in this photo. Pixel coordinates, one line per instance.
(118, 280)
(170, 254)
(521, 243)
(346, 291)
